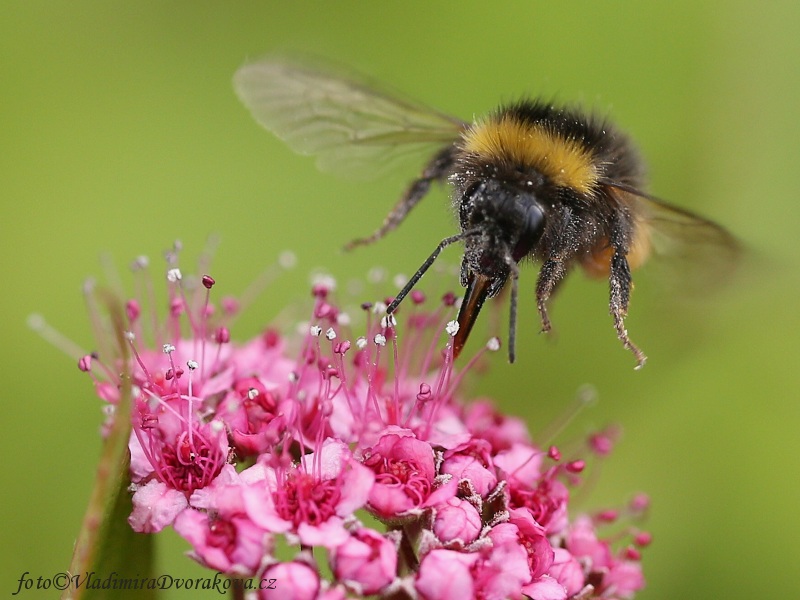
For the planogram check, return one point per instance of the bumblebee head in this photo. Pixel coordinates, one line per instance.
(507, 222)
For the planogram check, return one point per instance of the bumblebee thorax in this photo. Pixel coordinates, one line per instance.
(510, 142)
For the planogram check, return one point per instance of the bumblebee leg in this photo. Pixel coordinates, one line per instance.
(554, 266)
(619, 283)
(436, 170)
(551, 273)
(560, 238)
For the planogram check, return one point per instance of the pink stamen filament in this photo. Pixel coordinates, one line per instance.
(139, 360)
(187, 309)
(153, 449)
(451, 390)
(204, 333)
(441, 318)
(339, 362)
(304, 499)
(533, 454)
(371, 385)
(442, 377)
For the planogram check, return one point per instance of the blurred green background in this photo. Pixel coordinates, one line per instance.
(120, 133)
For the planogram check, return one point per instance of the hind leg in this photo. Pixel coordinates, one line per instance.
(619, 285)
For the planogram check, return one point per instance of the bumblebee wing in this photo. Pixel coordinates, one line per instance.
(343, 119)
(697, 253)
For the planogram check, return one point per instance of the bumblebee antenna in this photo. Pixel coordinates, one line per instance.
(425, 266)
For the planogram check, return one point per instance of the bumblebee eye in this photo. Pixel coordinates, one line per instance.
(532, 231)
(534, 220)
(465, 211)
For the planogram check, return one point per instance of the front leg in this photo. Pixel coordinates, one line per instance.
(551, 273)
(559, 242)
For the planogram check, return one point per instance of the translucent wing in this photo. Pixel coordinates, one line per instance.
(698, 254)
(344, 120)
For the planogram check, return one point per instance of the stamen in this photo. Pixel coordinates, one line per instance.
(85, 363)
(576, 466)
(287, 260)
(132, 310)
(376, 275)
(586, 396)
(452, 328)
(38, 324)
(417, 296)
(140, 263)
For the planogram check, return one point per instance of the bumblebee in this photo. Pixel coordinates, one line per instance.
(531, 180)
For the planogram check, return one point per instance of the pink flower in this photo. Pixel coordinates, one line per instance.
(169, 446)
(285, 441)
(533, 538)
(293, 580)
(545, 588)
(404, 474)
(446, 575)
(457, 520)
(583, 543)
(505, 568)
(543, 494)
(367, 561)
(232, 544)
(567, 571)
(613, 576)
(472, 462)
(181, 451)
(623, 579)
(250, 411)
(497, 570)
(312, 498)
(155, 506)
(222, 535)
(521, 464)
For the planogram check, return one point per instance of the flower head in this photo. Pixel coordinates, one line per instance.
(295, 440)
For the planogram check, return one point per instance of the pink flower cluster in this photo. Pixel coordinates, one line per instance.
(356, 451)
